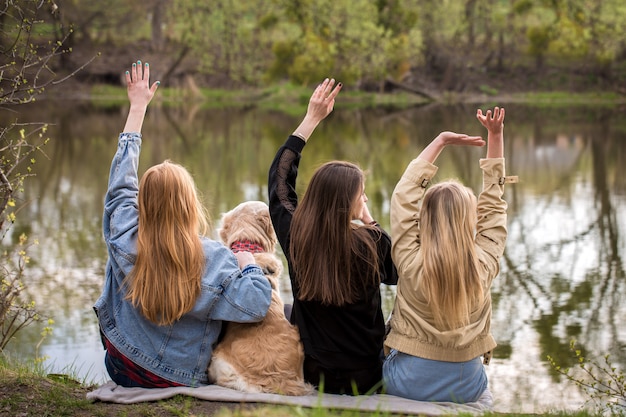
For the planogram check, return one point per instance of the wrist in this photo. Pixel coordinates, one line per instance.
(311, 120)
(440, 141)
(136, 107)
(307, 126)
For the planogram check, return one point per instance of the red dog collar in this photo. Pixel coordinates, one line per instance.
(246, 246)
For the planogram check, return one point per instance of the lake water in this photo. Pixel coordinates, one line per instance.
(562, 276)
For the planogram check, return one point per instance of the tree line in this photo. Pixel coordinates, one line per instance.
(362, 42)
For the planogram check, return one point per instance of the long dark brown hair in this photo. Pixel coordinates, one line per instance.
(326, 244)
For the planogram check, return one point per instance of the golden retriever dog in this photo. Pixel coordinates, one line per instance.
(263, 357)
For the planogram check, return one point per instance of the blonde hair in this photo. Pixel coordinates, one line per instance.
(450, 280)
(165, 280)
(329, 252)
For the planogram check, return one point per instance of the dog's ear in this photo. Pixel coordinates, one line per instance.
(225, 228)
(266, 223)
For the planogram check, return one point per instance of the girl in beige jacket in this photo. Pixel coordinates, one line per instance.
(446, 246)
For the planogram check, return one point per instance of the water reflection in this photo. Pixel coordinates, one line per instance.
(562, 274)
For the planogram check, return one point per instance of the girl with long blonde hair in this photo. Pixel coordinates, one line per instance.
(337, 257)
(447, 245)
(168, 288)
(450, 277)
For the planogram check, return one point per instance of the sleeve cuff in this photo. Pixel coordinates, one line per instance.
(494, 172)
(129, 136)
(295, 143)
(420, 172)
(249, 268)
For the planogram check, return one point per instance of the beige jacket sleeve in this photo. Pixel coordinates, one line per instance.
(491, 231)
(404, 213)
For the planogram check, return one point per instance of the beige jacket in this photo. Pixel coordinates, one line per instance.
(412, 329)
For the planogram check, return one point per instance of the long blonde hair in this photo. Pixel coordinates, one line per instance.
(327, 249)
(165, 280)
(450, 280)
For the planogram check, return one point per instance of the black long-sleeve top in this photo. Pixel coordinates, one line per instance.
(348, 337)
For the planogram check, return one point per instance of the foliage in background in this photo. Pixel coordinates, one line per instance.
(29, 52)
(364, 43)
(18, 147)
(604, 383)
(229, 38)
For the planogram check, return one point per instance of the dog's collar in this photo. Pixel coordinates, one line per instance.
(246, 246)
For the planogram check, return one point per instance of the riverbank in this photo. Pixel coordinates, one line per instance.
(28, 392)
(557, 82)
(292, 99)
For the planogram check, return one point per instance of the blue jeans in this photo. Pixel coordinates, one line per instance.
(428, 380)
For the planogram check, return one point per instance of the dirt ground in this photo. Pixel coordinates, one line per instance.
(45, 397)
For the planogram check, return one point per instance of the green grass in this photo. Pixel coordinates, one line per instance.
(27, 389)
(286, 98)
(566, 98)
(293, 99)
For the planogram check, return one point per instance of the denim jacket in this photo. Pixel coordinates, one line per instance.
(179, 352)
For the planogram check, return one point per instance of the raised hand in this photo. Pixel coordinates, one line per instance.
(321, 104)
(138, 84)
(452, 138)
(140, 93)
(493, 120)
(434, 148)
(322, 100)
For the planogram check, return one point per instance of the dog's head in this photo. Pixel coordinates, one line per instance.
(248, 227)
(249, 222)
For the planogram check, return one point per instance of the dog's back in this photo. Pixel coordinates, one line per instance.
(266, 356)
(261, 357)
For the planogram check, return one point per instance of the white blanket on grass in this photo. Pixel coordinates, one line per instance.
(111, 392)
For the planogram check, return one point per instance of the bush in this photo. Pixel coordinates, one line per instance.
(601, 380)
(29, 49)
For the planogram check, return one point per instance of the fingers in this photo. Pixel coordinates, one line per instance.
(319, 90)
(496, 115)
(146, 72)
(325, 90)
(327, 86)
(474, 141)
(492, 118)
(501, 116)
(155, 85)
(470, 140)
(131, 75)
(335, 91)
(452, 138)
(138, 72)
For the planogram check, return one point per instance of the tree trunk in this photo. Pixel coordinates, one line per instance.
(157, 25)
(469, 20)
(411, 89)
(500, 60)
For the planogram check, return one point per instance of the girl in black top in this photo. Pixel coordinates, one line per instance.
(335, 264)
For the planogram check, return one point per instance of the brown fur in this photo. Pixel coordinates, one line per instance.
(266, 356)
